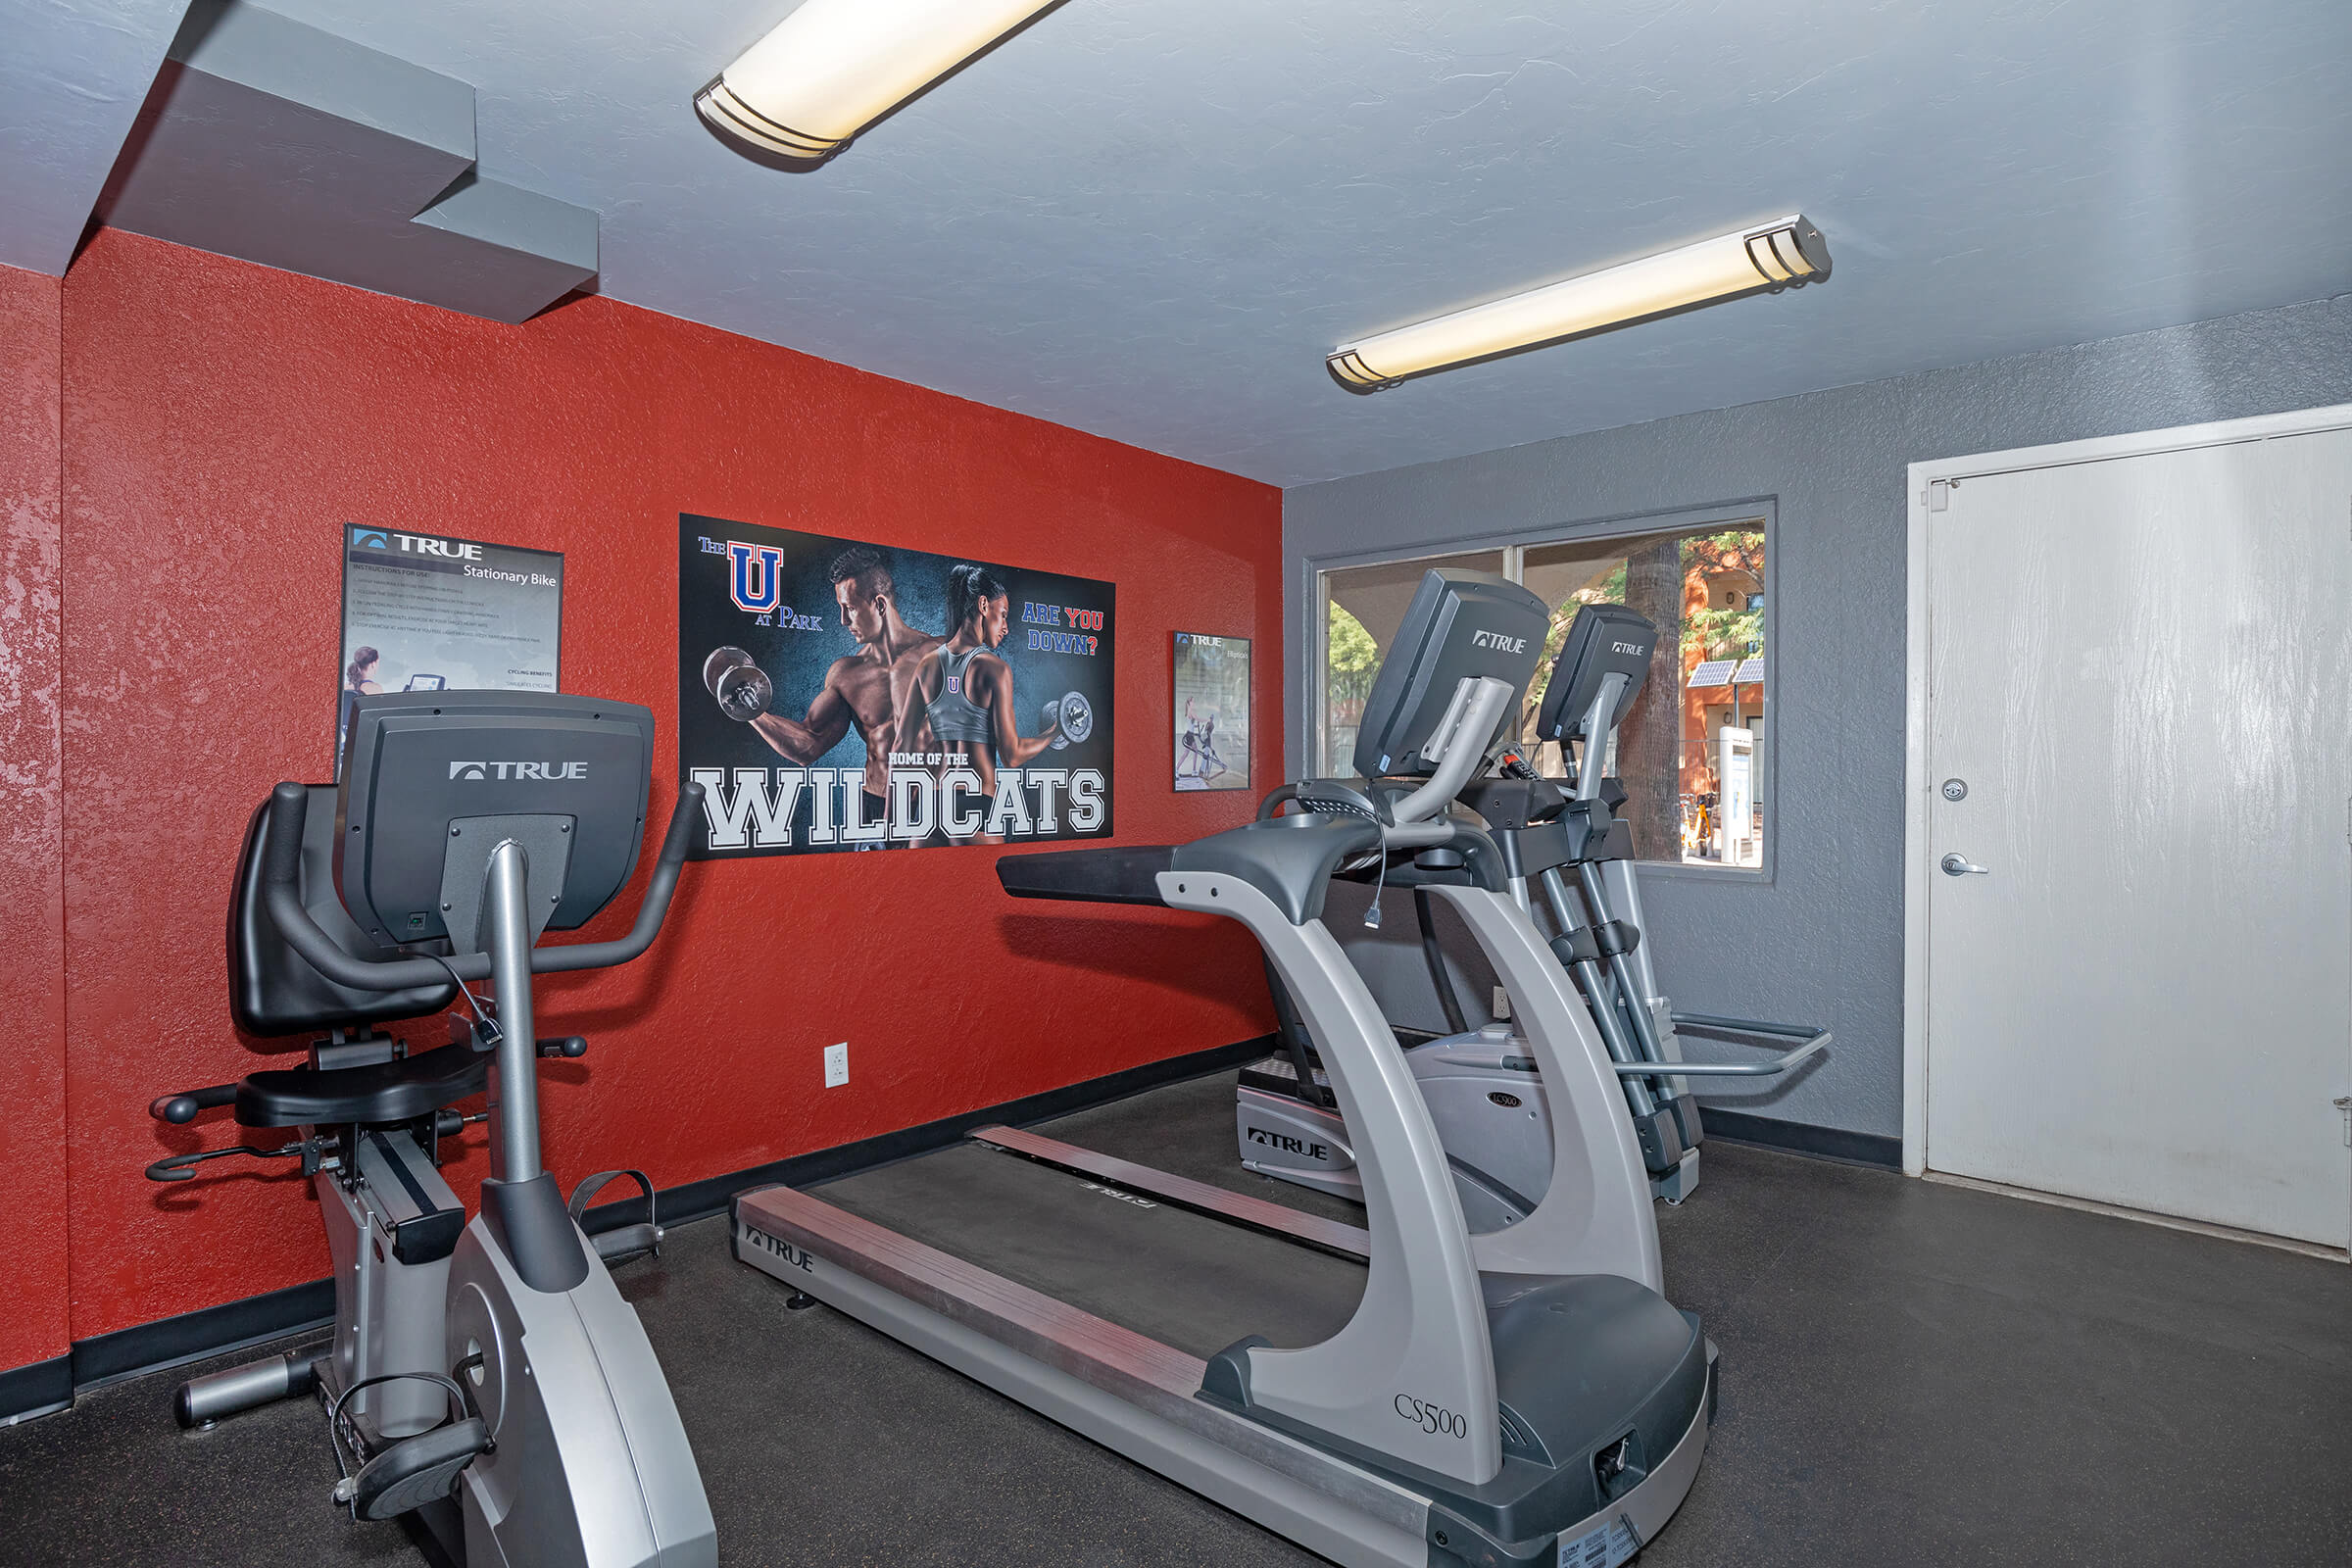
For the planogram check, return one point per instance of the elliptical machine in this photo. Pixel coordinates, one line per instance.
(486, 1383)
(1481, 1085)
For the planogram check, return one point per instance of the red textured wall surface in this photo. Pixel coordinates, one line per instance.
(33, 1323)
(222, 420)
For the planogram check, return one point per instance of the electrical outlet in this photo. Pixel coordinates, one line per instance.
(1502, 1002)
(837, 1065)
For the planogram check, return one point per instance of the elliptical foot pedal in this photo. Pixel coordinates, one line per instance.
(1678, 1183)
(413, 1471)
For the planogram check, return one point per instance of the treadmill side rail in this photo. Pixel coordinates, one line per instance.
(1238, 1208)
(1124, 1390)
(1135, 1395)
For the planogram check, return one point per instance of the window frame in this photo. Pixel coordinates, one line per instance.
(1759, 512)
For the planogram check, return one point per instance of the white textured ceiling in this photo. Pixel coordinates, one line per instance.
(1151, 217)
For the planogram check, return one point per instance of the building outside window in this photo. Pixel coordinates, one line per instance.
(1692, 752)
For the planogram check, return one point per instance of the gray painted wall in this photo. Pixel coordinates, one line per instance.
(1822, 942)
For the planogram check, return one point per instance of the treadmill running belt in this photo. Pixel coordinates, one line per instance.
(1191, 1281)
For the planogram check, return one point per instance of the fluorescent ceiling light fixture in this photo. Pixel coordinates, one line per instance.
(1785, 254)
(834, 66)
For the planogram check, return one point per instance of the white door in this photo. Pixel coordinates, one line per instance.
(2139, 698)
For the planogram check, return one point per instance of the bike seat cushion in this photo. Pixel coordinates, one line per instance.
(382, 1092)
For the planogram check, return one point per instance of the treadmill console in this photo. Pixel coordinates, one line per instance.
(1460, 626)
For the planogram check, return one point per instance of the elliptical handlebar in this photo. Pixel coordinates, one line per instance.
(282, 866)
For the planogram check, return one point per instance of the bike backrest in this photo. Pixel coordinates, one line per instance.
(273, 991)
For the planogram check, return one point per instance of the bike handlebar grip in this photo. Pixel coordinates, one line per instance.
(281, 874)
(281, 855)
(681, 825)
(181, 1109)
(650, 913)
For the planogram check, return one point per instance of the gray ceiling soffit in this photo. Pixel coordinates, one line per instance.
(73, 73)
(279, 143)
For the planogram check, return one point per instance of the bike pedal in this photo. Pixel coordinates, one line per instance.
(413, 1471)
(627, 1241)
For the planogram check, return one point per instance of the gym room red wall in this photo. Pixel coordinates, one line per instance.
(33, 1325)
(222, 420)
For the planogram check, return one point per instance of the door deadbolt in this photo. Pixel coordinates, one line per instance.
(1955, 788)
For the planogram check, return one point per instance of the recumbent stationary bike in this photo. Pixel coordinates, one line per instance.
(486, 1383)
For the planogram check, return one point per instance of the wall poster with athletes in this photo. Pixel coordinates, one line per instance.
(835, 695)
(1212, 680)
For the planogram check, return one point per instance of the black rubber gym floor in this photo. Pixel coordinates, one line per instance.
(1913, 1373)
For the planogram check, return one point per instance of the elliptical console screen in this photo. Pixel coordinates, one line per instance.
(1603, 640)
(1459, 624)
(422, 761)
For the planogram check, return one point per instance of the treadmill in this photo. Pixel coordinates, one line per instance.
(1406, 1394)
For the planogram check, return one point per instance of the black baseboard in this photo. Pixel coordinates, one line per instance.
(36, 1389)
(699, 1200)
(51, 1384)
(1875, 1150)
(211, 1331)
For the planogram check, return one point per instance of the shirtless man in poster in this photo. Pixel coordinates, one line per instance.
(870, 687)
(963, 690)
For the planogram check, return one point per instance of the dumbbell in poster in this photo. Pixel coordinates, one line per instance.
(837, 696)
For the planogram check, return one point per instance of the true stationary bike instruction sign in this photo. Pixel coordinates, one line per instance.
(426, 613)
(835, 695)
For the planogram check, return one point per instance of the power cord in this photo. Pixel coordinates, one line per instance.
(486, 1032)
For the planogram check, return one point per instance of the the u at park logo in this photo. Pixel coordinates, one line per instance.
(753, 575)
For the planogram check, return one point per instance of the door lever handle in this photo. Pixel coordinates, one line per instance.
(1958, 865)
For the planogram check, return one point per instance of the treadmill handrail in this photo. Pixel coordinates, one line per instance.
(281, 865)
(1289, 859)
(1127, 873)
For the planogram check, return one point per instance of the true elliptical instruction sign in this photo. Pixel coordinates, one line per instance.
(835, 695)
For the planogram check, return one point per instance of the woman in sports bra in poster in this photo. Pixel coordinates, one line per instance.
(963, 690)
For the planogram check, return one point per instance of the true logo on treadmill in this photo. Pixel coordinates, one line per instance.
(761, 1242)
(1304, 1147)
(1124, 1198)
